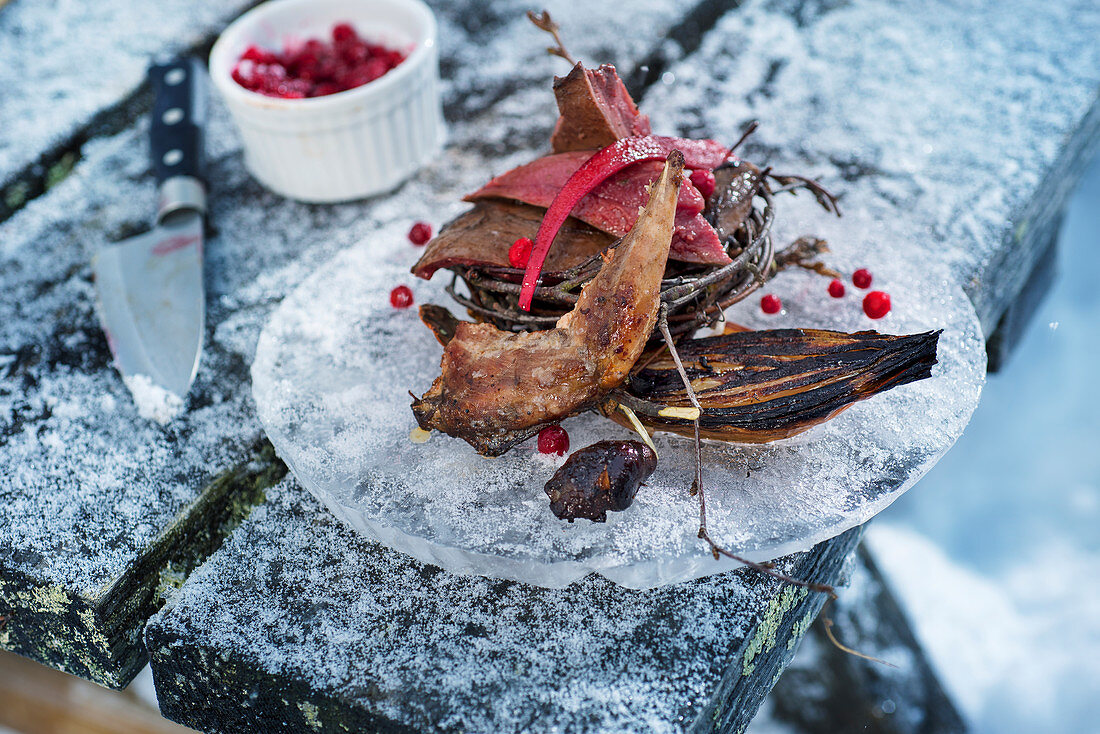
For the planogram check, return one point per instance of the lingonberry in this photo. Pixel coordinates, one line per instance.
(259, 55)
(836, 288)
(343, 32)
(375, 67)
(401, 297)
(248, 82)
(520, 252)
(553, 440)
(876, 304)
(703, 180)
(771, 304)
(326, 88)
(861, 278)
(420, 233)
(315, 68)
(354, 53)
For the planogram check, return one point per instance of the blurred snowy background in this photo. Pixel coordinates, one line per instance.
(995, 554)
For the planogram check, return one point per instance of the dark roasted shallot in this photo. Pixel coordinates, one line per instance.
(600, 478)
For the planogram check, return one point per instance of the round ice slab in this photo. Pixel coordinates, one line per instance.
(335, 365)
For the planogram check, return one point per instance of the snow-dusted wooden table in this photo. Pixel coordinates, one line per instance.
(954, 133)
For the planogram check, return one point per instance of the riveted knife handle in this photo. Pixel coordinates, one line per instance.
(176, 135)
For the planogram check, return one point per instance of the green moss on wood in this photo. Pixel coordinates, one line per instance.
(52, 625)
(97, 636)
(61, 169)
(764, 638)
(16, 195)
(800, 628)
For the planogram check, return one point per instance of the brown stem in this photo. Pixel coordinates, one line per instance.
(789, 182)
(543, 22)
(800, 252)
(829, 624)
(744, 136)
(697, 485)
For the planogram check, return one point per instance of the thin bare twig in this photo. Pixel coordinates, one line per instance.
(543, 22)
(697, 485)
(790, 182)
(829, 624)
(744, 136)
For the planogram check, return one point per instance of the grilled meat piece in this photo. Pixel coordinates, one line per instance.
(596, 110)
(497, 388)
(613, 205)
(760, 386)
(483, 235)
(442, 322)
(601, 477)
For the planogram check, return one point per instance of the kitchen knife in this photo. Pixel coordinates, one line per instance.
(149, 288)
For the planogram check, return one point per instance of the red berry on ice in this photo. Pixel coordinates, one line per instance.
(876, 304)
(420, 233)
(553, 440)
(401, 297)
(861, 278)
(771, 304)
(836, 288)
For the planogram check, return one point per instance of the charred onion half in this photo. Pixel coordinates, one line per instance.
(761, 386)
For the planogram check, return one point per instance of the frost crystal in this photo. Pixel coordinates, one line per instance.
(153, 401)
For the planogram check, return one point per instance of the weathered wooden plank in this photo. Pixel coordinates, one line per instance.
(92, 497)
(298, 624)
(95, 633)
(1014, 322)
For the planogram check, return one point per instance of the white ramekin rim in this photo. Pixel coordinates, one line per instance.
(222, 62)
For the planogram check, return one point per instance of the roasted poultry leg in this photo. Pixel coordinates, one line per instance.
(498, 388)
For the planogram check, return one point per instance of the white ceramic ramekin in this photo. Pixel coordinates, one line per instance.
(342, 146)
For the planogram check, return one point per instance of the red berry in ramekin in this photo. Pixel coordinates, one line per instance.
(315, 68)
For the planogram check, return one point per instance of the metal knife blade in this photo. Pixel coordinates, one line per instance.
(149, 288)
(151, 302)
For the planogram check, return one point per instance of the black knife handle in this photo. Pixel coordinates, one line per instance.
(179, 119)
